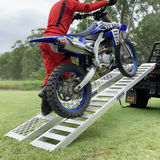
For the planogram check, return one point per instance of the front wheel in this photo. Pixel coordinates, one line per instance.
(124, 57)
(60, 91)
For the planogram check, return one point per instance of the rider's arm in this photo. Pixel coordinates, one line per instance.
(87, 7)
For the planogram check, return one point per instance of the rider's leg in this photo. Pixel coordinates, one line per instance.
(51, 61)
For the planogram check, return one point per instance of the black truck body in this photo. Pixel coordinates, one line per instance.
(149, 86)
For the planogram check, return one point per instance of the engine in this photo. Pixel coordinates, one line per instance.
(105, 58)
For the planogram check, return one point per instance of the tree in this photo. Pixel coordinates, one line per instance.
(4, 58)
(14, 64)
(130, 12)
(36, 46)
(147, 33)
(28, 64)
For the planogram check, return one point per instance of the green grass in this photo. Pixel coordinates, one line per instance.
(119, 134)
(20, 85)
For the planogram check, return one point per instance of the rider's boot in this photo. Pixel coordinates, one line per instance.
(42, 94)
(45, 107)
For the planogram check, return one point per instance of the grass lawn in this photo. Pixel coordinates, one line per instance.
(20, 85)
(119, 134)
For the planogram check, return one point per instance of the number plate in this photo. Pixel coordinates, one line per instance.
(131, 97)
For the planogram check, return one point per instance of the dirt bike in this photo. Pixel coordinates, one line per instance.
(68, 89)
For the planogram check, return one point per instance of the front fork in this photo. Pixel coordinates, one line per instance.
(86, 79)
(121, 40)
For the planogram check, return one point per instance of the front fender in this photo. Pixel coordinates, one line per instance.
(123, 27)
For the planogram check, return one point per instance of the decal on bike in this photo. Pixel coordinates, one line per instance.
(63, 40)
(75, 39)
(116, 36)
(120, 95)
(112, 25)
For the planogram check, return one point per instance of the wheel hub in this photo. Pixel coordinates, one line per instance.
(66, 90)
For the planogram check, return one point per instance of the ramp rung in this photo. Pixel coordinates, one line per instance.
(125, 81)
(116, 87)
(143, 67)
(128, 78)
(72, 121)
(42, 144)
(96, 104)
(64, 128)
(86, 116)
(107, 94)
(141, 70)
(101, 99)
(54, 136)
(119, 83)
(92, 110)
(137, 74)
(111, 90)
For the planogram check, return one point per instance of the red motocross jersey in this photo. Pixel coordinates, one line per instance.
(61, 14)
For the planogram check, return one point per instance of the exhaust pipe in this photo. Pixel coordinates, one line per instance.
(61, 42)
(67, 44)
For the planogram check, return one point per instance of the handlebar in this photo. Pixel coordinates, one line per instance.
(97, 14)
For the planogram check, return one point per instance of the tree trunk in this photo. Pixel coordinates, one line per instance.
(130, 22)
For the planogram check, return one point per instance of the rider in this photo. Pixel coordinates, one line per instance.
(60, 18)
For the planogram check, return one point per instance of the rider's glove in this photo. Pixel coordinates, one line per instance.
(77, 16)
(112, 2)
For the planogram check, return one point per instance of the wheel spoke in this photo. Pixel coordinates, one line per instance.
(66, 95)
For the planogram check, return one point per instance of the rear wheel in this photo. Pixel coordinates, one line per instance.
(60, 91)
(124, 57)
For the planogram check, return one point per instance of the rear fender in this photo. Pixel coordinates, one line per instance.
(50, 39)
(52, 42)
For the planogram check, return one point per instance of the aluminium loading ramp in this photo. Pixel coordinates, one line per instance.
(67, 130)
(62, 135)
(39, 124)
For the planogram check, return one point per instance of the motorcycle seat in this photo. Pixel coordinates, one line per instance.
(86, 32)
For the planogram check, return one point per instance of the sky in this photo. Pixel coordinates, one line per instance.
(19, 17)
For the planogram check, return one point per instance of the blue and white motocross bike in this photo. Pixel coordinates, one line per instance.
(68, 89)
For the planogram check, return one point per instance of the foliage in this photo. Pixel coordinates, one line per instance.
(135, 12)
(147, 33)
(28, 65)
(24, 61)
